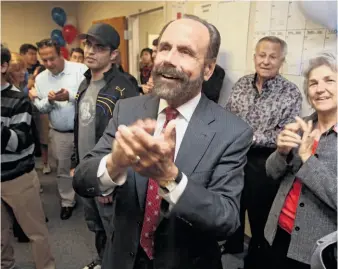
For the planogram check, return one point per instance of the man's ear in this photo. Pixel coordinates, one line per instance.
(209, 69)
(4, 68)
(113, 55)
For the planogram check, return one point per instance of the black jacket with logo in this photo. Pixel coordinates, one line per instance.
(118, 86)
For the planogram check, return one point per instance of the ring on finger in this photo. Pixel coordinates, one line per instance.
(137, 160)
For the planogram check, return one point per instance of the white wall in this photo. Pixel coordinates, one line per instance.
(89, 11)
(29, 22)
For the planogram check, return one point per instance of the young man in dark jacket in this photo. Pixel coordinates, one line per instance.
(30, 55)
(98, 93)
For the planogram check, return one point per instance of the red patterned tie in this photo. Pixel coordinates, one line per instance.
(153, 203)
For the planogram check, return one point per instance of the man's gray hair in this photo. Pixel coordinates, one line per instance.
(326, 58)
(214, 35)
(275, 40)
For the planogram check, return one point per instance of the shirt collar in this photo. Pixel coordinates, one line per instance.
(267, 84)
(314, 118)
(186, 110)
(67, 69)
(5, 86)
(107, 76)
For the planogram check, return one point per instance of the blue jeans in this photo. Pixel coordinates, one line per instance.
(99, 217)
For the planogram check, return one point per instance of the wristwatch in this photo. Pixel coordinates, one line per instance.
(170, 185)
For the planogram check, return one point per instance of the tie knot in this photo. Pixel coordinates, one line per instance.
(170, 113)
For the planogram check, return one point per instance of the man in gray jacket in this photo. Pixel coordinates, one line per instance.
(176, 192)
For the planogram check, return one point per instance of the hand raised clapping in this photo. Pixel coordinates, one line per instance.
(289, 138)
(148, 155)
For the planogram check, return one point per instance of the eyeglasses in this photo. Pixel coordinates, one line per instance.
(46, 42)
(95, 47)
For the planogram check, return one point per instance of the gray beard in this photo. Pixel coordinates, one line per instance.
(180, 93)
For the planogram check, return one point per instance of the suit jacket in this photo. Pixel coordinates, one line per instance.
(316, 214)
(324, 256)
(212, 156)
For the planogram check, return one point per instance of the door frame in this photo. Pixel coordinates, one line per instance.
(133, 35)
(134, 48)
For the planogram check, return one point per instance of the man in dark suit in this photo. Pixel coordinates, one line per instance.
(176, 183)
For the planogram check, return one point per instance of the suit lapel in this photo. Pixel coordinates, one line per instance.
(195, 142)
(141, 188)
(148, 110)
(196, 138)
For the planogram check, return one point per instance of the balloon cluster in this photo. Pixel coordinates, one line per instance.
(68, 33)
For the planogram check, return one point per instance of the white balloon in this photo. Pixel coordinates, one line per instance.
(321, 12)
(71, 20)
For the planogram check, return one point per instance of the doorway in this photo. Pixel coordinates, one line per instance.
(143, 28)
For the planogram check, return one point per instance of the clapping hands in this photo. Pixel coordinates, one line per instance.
(289, 138)
(150, 156)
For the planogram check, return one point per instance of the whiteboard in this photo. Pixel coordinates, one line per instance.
(242, 23)
(233, 34)
(207, 11)
(303, 37)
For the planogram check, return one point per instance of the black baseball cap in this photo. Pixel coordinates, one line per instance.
(103, 33)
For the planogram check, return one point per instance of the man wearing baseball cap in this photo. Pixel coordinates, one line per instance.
(98, 93)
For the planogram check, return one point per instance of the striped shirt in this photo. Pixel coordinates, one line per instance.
(17, 145)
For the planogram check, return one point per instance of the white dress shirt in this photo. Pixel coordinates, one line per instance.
(107, 185)
(61, 113)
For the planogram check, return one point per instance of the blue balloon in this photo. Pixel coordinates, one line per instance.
(56, 35)
(59, 16)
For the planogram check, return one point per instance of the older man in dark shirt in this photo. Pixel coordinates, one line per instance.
(267, 102)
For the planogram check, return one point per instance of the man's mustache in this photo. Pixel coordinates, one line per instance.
(169, 71)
